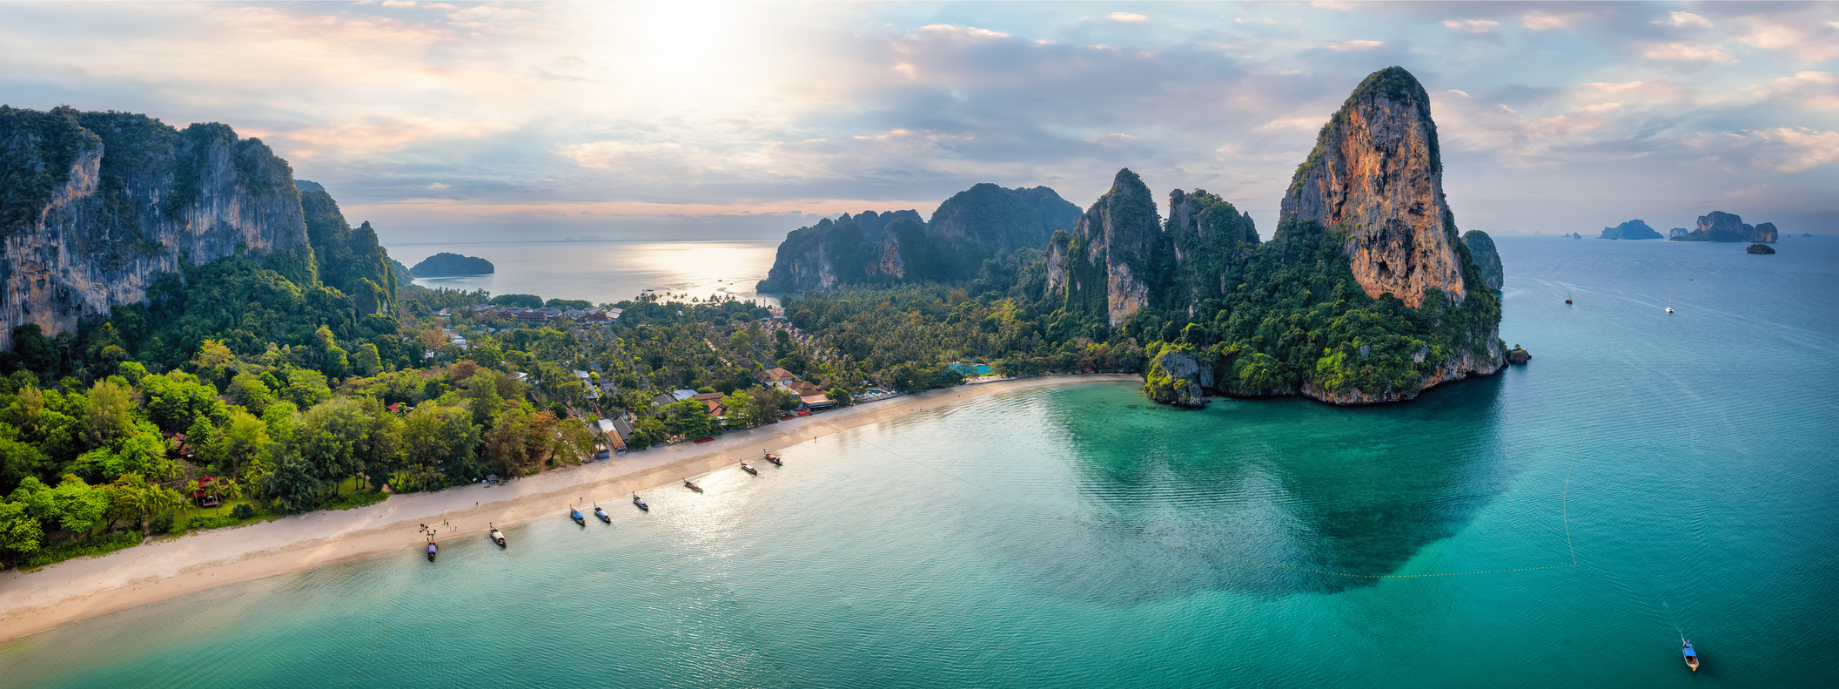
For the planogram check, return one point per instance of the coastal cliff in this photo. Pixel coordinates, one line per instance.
(98, 205)
(1377, 176)
(1487, 259)
(986, 221)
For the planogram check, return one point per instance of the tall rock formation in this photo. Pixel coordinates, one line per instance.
(1376, 175)
(983, 222)
(94, 206)
(1105, 262)
(1209, 241)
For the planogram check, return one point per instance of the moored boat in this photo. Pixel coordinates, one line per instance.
(602, 514)
(575, 514)
(431, 550)
(640, 503)
(770, 457)
(497, 536)
(691, 485)
(1692, 656)
(749, 469)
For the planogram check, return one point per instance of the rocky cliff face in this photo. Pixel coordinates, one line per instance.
(847, 250)
(1376, 175)
(1209, 241)
(96, 205)
(1176, 377)
(1108, 254)
(983, 222)
(1487, 259)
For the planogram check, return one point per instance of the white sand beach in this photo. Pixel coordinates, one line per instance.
(36, 601)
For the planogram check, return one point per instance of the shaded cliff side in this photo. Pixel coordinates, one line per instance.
(984, 222)
(1487, 259)
(95, 206)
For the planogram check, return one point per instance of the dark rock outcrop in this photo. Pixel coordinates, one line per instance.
(1517, 356)
(94, 206)
(1759, 249)
(1176, 378)
(1633, 229)
(1487, 259)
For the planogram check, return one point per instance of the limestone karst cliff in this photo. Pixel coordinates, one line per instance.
(1376, 175)
(1104, 265)
(94, 206)
(984, 222)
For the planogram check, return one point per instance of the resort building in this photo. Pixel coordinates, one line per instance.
(777, 377)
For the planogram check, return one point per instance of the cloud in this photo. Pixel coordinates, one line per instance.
(1304, 123)
(1686, 52)
(1804, 42)
(1687, 19)
(1127, 17)
(627, 157)
(1471, 124)
(1471, 25)
(1808, 90)
(965, 31)
(398, 4)
(1356, 45)
(1542, 21)
(1792, 149)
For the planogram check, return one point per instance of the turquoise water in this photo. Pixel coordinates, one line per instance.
(1699, 449)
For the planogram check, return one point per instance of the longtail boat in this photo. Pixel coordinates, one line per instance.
(575, 514)
(497, 536)
(431, 551)
(770, 457)
(640, 502)
(749, 469)
(602, 514)
(691, 485)
(1692, 656)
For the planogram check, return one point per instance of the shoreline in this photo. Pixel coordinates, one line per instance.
(85, 588)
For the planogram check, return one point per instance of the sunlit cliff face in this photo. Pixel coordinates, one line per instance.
(486, 121)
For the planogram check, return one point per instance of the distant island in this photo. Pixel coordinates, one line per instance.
(446, 265)
(1718, 226)
(1633, 229)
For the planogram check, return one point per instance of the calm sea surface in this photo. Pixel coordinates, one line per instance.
(1082, 538)
(608, 271)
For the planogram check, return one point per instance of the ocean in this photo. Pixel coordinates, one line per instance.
(1646, 477)
(606, 272)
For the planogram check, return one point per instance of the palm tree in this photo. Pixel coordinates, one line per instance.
(227, 490)
(145, 499)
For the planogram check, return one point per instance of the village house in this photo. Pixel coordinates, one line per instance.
(778, 377)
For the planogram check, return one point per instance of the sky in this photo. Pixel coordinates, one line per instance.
(461, 121)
